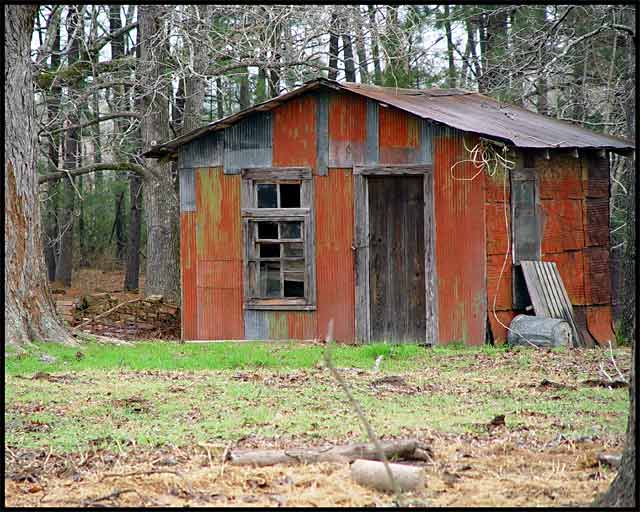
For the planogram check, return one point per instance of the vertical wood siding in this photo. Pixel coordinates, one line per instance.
(460, 243)
(189, 273)
(219, 254)
(334, 256)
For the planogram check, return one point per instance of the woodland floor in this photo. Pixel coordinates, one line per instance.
(147, 424)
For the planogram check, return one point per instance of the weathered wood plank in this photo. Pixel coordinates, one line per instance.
(322, 133)
(361, 248)
(431, 298)
(275, 173)
(393, 169)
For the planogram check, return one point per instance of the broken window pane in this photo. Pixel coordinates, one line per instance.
(269, 250)
(290, 230)
(267, 195)
(294, 284)
(270, 279)
(268, 230)
(290, 195)
(294, 250)
(294, 266)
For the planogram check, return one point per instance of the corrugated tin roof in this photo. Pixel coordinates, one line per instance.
(464, 110)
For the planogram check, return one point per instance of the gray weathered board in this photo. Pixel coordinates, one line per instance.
(548, 294)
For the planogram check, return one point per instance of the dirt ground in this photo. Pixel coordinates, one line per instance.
(498, 469)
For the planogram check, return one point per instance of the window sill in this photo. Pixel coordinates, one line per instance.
(279, 306)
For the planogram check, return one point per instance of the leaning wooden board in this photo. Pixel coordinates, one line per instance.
(548, 295)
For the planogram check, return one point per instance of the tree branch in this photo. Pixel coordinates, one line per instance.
(120, 166)
(108, 117)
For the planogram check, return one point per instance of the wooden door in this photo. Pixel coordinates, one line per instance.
(396, 259)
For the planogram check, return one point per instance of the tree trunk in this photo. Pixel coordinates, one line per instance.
(621, 492)
(29, 310)
(451, 76)
(361, 49)
(245, 100)
(194, 86)
(119, 227)
(333, 47)
(375, 49)
(162, 276)
(131, 278)
(347, 50)
(53, 114)
(219, 98)
(64, 267)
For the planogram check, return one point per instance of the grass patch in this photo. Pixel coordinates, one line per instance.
(157, 394)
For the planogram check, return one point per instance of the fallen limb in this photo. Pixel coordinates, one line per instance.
(397, 450)
(373, 474)
(91, 320)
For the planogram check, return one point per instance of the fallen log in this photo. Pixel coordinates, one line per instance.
(397, 450)
(373, 474)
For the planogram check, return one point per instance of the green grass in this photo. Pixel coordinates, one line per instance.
(159, 393)
(219, 356)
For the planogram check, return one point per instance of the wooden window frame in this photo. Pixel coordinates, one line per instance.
(251, 214)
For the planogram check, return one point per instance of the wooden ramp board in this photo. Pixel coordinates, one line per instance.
(548, 295)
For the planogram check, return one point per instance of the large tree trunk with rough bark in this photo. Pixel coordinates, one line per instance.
(622, 492)
(29, 310)
(162, 276)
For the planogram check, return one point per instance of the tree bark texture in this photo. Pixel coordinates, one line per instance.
(132, 273)
(162, 276)
(333, 47)
(375, 48)
(621, 492)
(29, 310)
(194, 85)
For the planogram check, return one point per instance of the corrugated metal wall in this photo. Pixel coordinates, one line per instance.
(294, 132)
(248, 143)
(219, 255)
(188, 273)
(334, 256)
(399, 137)
(347, 129)
(460, 242)
(205, 151)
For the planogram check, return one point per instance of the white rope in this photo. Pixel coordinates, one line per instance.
(486, 157)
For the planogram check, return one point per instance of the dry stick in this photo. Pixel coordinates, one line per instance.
(614, 363)
(91, 320)
(358, 409)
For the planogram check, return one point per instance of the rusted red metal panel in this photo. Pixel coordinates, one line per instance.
(497, 230)
(294, 132)
(189, 272)
(561, 177)
(498, 328)
(399, 137)
(460, 243)
(334, 256)
(572, 271)
(347, 129)
(562, 225)
(596, 212)
(496, 188)
(301, 325)
(503, 293)
(599, 323)
(597, 281)
(597, 176)
(219, 317)
(219, 254)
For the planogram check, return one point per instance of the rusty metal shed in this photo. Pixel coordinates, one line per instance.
(337, 201)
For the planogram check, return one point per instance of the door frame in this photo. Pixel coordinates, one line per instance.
(361, 245)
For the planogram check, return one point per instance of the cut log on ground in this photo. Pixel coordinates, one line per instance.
(395, 450)
(373, 474)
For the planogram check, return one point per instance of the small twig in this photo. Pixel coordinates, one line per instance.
(136, 473)
(360, 413)
(224, 458)
(109, 496)
(605, 373)
(614, 363)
